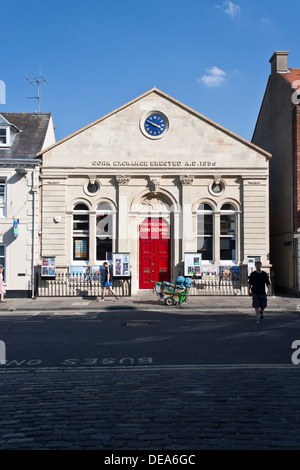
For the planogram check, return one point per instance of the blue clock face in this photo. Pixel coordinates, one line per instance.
(155, 125)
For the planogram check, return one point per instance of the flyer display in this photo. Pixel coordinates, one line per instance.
(251, 263)
(48, 267)
(210, 273)
(192, 264)
(81, 249)
(121, 264)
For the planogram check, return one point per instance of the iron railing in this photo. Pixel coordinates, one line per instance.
(79, 285)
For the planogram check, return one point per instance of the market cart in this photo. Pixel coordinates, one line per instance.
(173, 293)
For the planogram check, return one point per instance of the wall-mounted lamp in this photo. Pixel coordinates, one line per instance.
(21, 171)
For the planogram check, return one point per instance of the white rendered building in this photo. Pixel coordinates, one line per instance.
(22, 136)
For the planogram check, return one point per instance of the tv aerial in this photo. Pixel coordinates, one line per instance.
(36, 82)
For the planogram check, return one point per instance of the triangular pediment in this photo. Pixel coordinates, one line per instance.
(120, 137)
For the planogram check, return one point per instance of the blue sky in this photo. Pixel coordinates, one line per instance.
(97, 55)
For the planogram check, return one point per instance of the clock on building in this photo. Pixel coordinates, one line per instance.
(154, 124)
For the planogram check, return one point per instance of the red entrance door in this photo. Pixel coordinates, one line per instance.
(154, 247)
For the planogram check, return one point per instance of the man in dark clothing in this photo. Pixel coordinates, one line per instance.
(258, 280)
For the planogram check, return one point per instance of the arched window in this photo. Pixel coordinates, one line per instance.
(104, 231)
(205, 231)
(80, 232)
(228, 232)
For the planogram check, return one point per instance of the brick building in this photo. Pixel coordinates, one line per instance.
(278, 131)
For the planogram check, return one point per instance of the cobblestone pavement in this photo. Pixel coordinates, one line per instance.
(162, 408)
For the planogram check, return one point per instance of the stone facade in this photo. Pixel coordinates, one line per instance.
(193, 163)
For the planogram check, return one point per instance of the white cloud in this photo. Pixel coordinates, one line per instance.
(231, 9)
(215, 77)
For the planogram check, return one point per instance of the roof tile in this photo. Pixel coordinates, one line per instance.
(30, 138)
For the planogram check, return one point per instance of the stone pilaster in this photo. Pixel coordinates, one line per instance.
(122, 202)
(188, 239)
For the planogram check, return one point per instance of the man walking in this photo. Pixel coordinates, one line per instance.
(258, 280)
(107, 282)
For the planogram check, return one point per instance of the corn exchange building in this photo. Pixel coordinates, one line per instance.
(158, 190)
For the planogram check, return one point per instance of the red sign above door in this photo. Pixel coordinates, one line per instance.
(154, 228)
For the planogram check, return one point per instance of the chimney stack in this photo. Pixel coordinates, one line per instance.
(279, 62)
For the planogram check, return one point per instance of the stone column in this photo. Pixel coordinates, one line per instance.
(92, 236)
(122, 228)
(217, 239)
(187, 235)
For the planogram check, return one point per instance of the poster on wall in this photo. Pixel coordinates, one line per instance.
(86, 273)
(210, 273)
(97, 273)
(229, 273)
(81, 273)
(251, 263)
(81, 248)
(121, 264)
(192, 264)
(48, 267)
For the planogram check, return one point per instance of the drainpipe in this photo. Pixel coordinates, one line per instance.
(34, 192)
